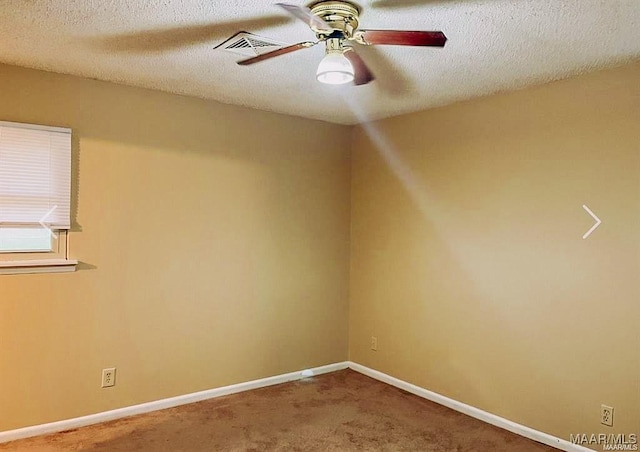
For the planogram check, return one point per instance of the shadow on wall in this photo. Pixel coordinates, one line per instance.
(167, 122)
(75, 183)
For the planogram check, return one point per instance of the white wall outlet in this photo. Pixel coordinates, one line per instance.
(606, 415)
(108, 377)
(374, 343)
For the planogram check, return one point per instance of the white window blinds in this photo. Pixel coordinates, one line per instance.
(35, 175)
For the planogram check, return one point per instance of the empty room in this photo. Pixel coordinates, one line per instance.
(383, 225)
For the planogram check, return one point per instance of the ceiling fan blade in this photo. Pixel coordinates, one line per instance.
(305, 15)
(401, 38)
(389, 78)
(275, 53)
(362, 73)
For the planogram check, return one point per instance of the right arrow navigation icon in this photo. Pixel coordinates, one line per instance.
(594, 216)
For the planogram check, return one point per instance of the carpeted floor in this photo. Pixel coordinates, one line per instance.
(341, 411)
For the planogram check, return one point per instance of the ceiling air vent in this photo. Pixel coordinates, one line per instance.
(248, 44)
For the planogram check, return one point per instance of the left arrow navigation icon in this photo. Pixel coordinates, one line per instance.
(45, 225)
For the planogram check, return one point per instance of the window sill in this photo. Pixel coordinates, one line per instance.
(37, 266)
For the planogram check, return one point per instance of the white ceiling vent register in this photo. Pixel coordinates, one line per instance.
(248, 44)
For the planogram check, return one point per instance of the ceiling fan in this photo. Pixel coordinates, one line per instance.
(335, 23)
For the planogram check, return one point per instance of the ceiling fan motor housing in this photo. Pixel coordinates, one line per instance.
(335, 22)
(341, 16)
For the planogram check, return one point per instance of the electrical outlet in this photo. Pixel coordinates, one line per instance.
(606, 415)
(374, 343)
(108, 377)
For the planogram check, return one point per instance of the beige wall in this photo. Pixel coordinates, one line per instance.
(215, 249)
(214, 242)
(468, 261)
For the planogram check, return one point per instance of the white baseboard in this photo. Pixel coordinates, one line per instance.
(68, 424)
(469, 410)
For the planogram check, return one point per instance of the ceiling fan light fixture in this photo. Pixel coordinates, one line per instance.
(336, 24)
(335, 69)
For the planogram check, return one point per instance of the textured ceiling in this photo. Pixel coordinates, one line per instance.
(494, 45)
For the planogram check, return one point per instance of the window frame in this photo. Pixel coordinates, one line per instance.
(55, 261)
(45, 232)
(26, 261)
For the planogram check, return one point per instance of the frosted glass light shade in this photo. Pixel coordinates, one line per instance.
(335, 69)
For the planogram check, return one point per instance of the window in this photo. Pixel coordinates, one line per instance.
(35, 198)
(25, 240)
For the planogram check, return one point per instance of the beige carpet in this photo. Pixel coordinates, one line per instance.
(341, 411)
